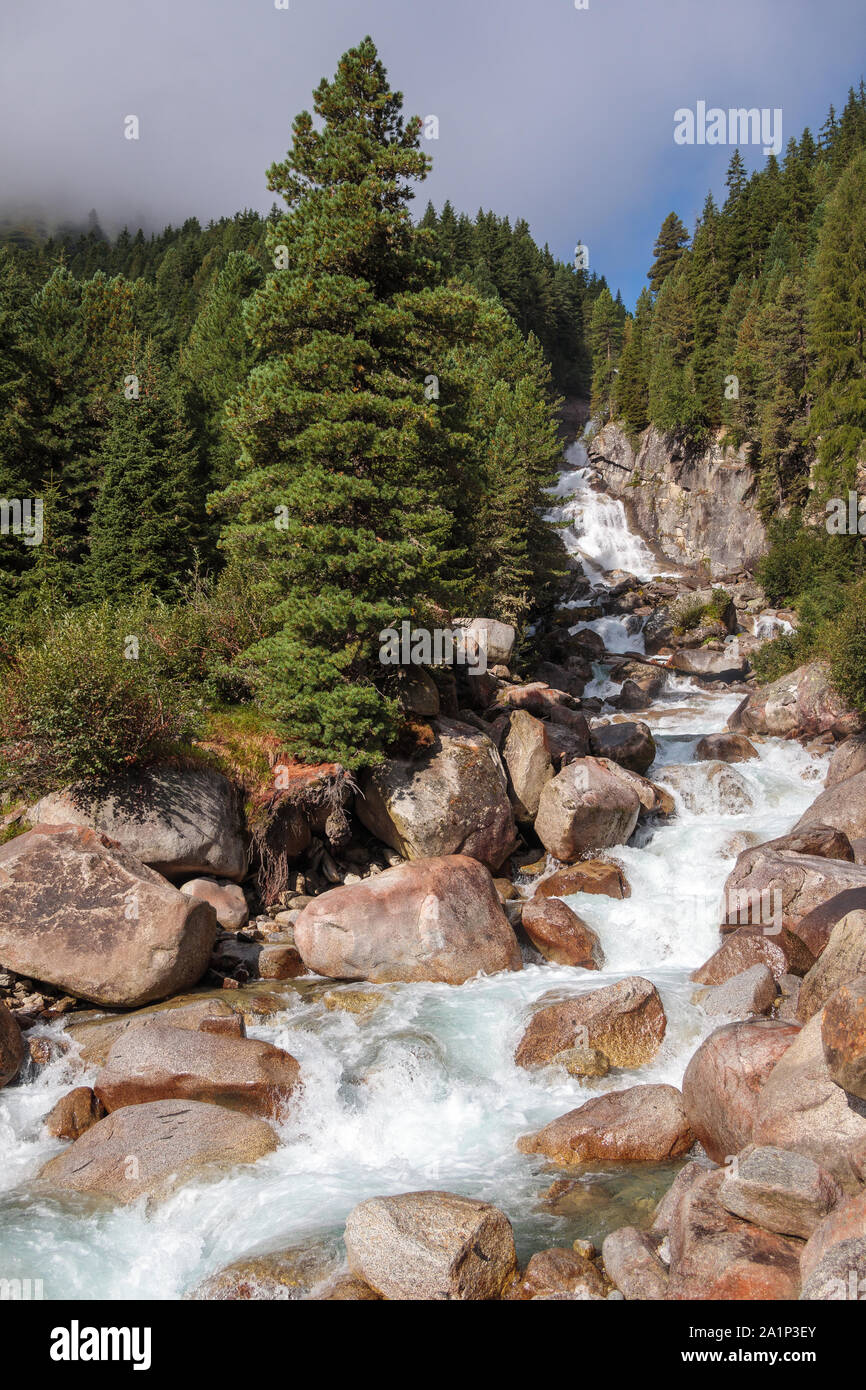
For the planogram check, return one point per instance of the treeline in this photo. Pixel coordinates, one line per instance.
(755, 323)
(259, 443)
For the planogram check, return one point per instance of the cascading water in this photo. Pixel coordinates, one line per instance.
(425, 1093)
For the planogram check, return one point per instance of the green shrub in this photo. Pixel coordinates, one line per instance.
(76, 704)
(845, 644)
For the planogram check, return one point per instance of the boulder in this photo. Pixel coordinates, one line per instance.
(833, 1263)
(848, 759)
(801, 1108)
(730, 664)
(778, 1190)
(560, 935)
(630, 745)
(843, 959)
(180, 821)
(491, 637)
(723, 1081)
(74, 1113)
(434, 1246)
(526, 754)
(158, 1062)
(588, 876)
(11, 1047)
(453, 799)
(558, 1271)
(558, 678)
(740, 952)
(716, 1256)
(654, 800)
(751, 993)
(95, 1037)
(815, 929)
(644, 1124)
(725, 748)
(585, 807)
(823, 841)
(226, 898)
(843, 1034)
(632, 1263)
(151, 1149)
(284, 1276)
(434, 919)
(842, 806)
(417, 692)
(708, 788)
(802, 704)
(776, 889)
(625, 1021)
(80, 913)
(667, 1207)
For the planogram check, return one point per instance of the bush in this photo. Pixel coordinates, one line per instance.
(76, 704)
(845, 644)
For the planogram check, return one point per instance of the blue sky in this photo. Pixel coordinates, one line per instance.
(560, 115)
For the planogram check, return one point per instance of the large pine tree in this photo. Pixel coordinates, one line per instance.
(670, 244)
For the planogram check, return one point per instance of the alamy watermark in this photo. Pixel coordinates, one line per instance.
(736, 126)
(22, 516)
(439, 646)
(846, 517)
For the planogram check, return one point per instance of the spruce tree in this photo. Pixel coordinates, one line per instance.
(670, 243)
(632, 383)
(606, 330)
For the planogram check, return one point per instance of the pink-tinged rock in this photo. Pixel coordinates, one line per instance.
(560, 935)
(833, 1264)
(843, 959)
(842, 806)
(643, 1124)
(528, 762)
(632, 1263)
(716, 1256)
(800, 705)
(779, 1190)
(725, 748)
(741, 950)
(433, 919)
(226, 898)
(585, 807)
(843, 1034)
(724, 1078)
(11, 1046)
(848, 759)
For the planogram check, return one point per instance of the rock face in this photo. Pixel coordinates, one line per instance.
(11, 1047)
(585, 807)
(642, 1124)
(526, 754)
(843, 1034)
(725, 748)
(435, 919)
(226, 898)
(723, 1081)
(178, 821)
(451, 800)
(801, 1108)
(833, 1264)
(847, 760)
(158, 1062)
(625, 1021)
(842, 806)
(432, 1246)
(715, 1255)
(560, 935)
(802, 704)
(150, 1149)
(780, 1191)
(589, 876)
(630, 745)
(85, 916)
(843, 959)
(708, 788)
(695, 506)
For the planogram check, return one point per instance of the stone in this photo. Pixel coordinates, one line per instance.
(802, 704)
(716, 1256)
(560, 935)
(345, 1288)
(587, 876)
(644, 1124)
(688, 1174)
(179, 821)
(148, 1150)
(226, 898)
(740, 952)
(431, 1246)
(452, 799)
(11, 1046)
(632, 1263)
(751, 993)
(433, 919)
(708, 788)
(528, 762)
(494, 638)
(626, 1021)
(158, 1062)
(725, 748)
(82, 914)
(630, 745)
(558, 1271)
(585, 807)
(95, 1037)
(74, 1113)
(842, 806)
(833, 1263)
(730, 664)
(843, 959)
(284, 1276)
(843, 1035)
(723, 1082)
(849, 758)
(800, 1107)
(361, 1003)
(821, 840)
(417, 692)
(777, 889)
(815, 929)
(778, 1190)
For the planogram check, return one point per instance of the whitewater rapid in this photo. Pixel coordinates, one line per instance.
(425, 1092)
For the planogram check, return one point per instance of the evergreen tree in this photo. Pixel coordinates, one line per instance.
(670, 243)
(632, 383)
(606, 334)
